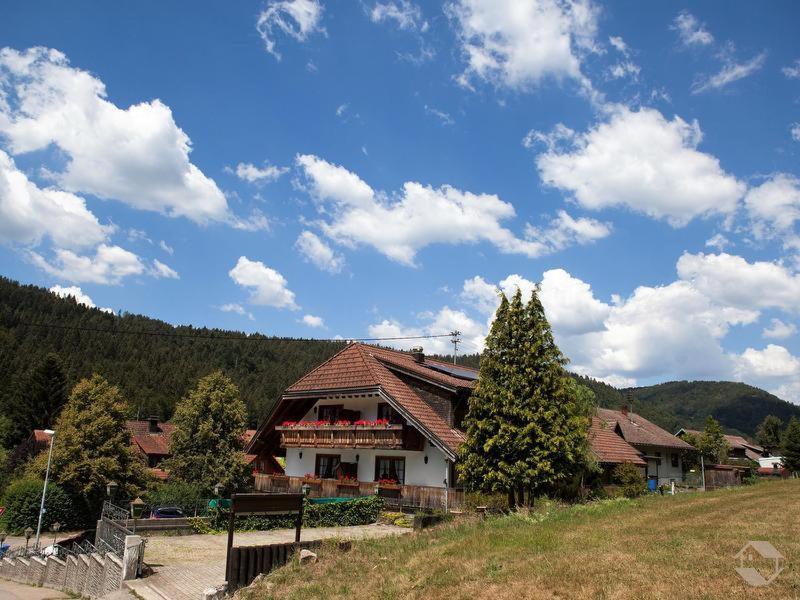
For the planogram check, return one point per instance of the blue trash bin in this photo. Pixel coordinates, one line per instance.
(652, 484)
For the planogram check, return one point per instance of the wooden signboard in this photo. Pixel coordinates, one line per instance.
(255, 504)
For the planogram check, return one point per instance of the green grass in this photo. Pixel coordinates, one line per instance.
(654, 547)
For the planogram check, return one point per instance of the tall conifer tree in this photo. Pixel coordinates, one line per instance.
(526, 426)
(791, 446)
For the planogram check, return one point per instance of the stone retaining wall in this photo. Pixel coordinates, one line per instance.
(88, 576)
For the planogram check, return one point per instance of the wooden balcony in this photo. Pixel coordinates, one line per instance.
(342, 436)
(402, 497)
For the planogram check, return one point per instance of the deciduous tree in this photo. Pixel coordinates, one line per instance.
(207, 444)
(770, 433)
(92, 447)
(711, 443)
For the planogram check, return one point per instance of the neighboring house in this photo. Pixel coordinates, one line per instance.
(371, 415)
(739, 446)
(662, 451)
(151, 439)
(610, 449)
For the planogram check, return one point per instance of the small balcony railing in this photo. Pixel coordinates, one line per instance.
(341, 436)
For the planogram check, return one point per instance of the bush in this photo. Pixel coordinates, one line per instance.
(187, 496)
(495, 502)
(22, 500)
(630, 479)
(358, 511)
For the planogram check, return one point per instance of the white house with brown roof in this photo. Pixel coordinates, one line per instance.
(662, 451)
(370, 418)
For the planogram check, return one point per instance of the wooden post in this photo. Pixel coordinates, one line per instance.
(299, 524)
(231, 523)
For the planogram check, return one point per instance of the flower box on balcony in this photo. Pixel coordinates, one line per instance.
(312, 481)
(351, 483)
(280, 478)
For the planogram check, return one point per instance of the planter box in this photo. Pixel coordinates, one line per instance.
(352, 484)
(309, 481)
(389, 491)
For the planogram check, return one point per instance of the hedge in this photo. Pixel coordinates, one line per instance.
(22, 499)
(358, 511)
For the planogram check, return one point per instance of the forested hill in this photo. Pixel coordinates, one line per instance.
(739, 407)
(154, 369)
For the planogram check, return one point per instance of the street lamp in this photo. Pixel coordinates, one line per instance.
(28, 534)
(218, 489)
(137, 506)
(111, 490)
(52, 435)
(55, 527)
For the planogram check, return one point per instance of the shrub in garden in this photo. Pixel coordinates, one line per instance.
(630, 479)
(358, 511)
(22, 500)
(182, 494)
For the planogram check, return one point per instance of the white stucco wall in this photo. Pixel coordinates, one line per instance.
(666, 471)
(417, 472)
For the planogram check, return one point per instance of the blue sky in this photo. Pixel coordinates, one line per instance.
(320, 169)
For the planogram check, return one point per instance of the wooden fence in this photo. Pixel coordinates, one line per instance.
(401, 497)
(248, 562)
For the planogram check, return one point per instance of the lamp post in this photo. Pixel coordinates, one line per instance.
(218, 489)
(111, 490)
(137, 506)
(52, 435)
(55, 527)
(28, 534)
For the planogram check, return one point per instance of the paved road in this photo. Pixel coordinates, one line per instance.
(17, 591)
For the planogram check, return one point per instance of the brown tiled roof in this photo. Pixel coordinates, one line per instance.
(40, 437)
(638, 431)
(137, 427)
(152, 444)
(609, 447)
(406, 362)
(361, 366)
(736, 442)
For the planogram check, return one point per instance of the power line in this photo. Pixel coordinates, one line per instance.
(225, 337)
(455, 341)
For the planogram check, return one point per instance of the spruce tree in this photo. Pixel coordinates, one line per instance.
(35, 401)
(791, 446)
(207, 446)
(527, 424)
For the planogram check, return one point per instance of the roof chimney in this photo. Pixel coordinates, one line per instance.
(152, 424)
(418, 353)
(625, 409)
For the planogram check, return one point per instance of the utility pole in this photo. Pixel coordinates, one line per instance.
(455, 341)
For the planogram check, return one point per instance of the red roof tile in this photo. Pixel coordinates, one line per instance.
(638, 431)
(609, 447)
(736, 442)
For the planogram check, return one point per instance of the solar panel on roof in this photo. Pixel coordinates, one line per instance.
(455, 371)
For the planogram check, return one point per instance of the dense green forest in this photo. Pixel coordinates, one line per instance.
(154, 369)
(155, 364)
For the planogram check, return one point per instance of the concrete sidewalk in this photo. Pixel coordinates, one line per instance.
(18, 591)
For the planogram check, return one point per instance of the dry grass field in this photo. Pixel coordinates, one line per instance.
(655, 547)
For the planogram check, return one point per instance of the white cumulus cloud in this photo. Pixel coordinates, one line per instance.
(79, 296)
(109, 265)
(238, 309)
(405, 14)
(517, 44)
(313, 321)
(267, 286)
(419, 215)
(28, 213)
(252, 174)
(136, 155)
(317, 252)
(642, 161)
(778, 330)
